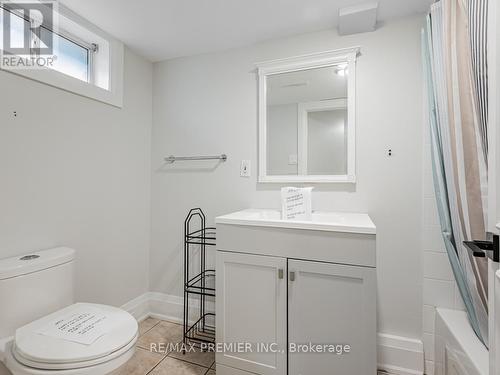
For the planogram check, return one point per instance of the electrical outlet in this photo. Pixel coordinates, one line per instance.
(245, 168)
(293, 159)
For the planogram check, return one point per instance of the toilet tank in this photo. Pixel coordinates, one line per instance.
(34, 285)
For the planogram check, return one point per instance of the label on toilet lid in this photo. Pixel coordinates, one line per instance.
(83, 327)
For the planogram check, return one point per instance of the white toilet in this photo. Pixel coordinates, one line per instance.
(37, 290)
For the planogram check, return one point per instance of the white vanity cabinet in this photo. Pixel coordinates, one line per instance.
(287, 288)
(332, 304)
(251, 308)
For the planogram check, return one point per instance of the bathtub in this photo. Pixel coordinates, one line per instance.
(458, 351)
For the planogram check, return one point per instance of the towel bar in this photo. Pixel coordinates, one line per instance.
(172, 159)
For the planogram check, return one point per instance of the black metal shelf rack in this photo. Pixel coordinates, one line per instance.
(202, 283)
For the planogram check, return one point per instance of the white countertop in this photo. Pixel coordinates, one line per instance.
(323, 221)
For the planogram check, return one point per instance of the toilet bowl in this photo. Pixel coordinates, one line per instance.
(33, 353)
(35, 342)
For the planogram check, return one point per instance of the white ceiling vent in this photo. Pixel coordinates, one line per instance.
(358, 19)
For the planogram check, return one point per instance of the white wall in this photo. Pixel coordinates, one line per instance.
(208, 104)
(76, 172)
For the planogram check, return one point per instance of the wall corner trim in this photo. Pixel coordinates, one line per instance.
(397, 355)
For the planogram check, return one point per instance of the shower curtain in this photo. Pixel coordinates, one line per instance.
(454, 51)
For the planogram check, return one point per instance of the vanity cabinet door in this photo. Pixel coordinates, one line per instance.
(332, 304)
(251, 308)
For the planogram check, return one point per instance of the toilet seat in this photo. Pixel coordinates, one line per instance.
(72, 365)
(104, 368)
(43, 352)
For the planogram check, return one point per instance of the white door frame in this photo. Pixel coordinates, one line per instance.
(493, 116)
(303, 109)
(494, 179)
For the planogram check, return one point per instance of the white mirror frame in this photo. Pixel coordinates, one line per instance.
(306, 62)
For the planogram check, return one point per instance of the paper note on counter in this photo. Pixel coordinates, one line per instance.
(296, 203)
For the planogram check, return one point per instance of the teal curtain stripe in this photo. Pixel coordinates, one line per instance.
(440, 185)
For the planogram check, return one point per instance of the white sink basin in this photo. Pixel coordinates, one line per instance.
(325, 221)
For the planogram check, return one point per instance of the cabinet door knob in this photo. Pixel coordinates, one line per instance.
(280, 273)
(292, 275)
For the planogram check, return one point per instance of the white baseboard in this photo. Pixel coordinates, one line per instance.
(163, 306)
(396, 355)
(166, 307)
(139, 307)
(400, 355)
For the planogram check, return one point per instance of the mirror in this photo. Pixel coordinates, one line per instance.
(306, 115)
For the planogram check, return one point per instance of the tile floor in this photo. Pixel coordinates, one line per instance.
(149, 362)
(146, 362)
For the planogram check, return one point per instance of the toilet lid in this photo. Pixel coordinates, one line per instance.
(41, 351)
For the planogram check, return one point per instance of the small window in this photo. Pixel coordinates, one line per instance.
(72, 57)
(67, 51)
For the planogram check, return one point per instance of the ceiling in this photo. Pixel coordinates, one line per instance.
(164, 29)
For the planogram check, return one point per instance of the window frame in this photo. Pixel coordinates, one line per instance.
(111, 64)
